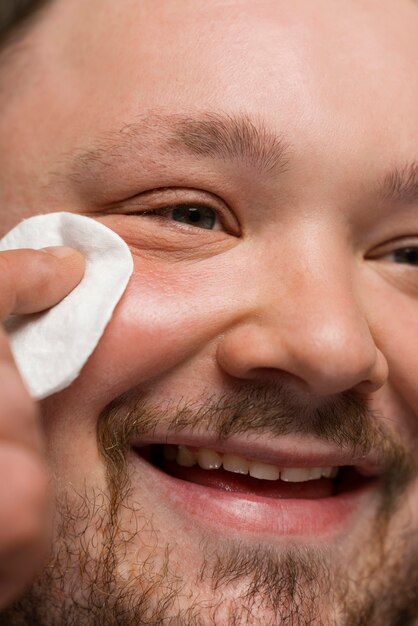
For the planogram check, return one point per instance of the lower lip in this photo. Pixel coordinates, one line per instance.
(240, 512)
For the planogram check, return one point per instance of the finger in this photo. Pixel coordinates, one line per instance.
(18, 412)
(23, 519)
(35, 280)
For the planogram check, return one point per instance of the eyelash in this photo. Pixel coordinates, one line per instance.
(406, 249)
(220, 218)
(226, 224)
(387, 252)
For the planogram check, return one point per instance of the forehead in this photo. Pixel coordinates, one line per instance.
(275, 35)
(326, 75)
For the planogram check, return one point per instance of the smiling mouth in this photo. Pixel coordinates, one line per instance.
(233, 473)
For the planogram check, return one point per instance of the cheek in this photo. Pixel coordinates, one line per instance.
(402, 356)
(166, 317)
(394, 316)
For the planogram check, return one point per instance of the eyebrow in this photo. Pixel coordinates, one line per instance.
(232, 137)
(400, 185)
(208, 135)
(215, 135)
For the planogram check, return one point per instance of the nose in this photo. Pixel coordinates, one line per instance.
(308, 326)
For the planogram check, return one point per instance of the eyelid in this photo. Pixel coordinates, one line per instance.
(166, 199)
(391, 246)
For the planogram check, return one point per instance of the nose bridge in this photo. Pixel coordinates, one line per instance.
(306, 320)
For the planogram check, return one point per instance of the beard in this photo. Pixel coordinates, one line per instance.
(111, 564)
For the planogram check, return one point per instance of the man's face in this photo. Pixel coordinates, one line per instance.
(260, 159)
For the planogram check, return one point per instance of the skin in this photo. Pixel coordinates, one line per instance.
(299, 286)
(31, 281)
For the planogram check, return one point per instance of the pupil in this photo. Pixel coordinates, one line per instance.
(200, 216)
(194, 215)
(408, 255)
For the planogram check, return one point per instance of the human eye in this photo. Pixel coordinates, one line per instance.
(397, 261)
(185, 211)
(406, 256)
(192, 214)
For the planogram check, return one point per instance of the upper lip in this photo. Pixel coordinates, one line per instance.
(284, 451)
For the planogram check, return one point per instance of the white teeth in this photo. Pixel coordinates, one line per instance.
(265, 471)
(236, 464)
(212, 460)
(295, 474)
(185, 457)
(315, 473)
(208, 459)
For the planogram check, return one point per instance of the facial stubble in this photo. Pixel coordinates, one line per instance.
(125, 571)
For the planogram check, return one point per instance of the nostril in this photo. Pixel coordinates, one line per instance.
(248, 352)
(319, 356)
(376, 376)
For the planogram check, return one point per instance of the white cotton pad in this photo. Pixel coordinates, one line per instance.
(50, 348)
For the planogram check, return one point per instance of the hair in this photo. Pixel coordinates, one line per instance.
(15, 15)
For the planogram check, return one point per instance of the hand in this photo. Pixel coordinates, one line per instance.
(30, 281)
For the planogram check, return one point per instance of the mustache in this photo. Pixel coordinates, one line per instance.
(345, 420)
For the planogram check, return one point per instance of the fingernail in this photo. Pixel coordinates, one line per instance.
(59, 251)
